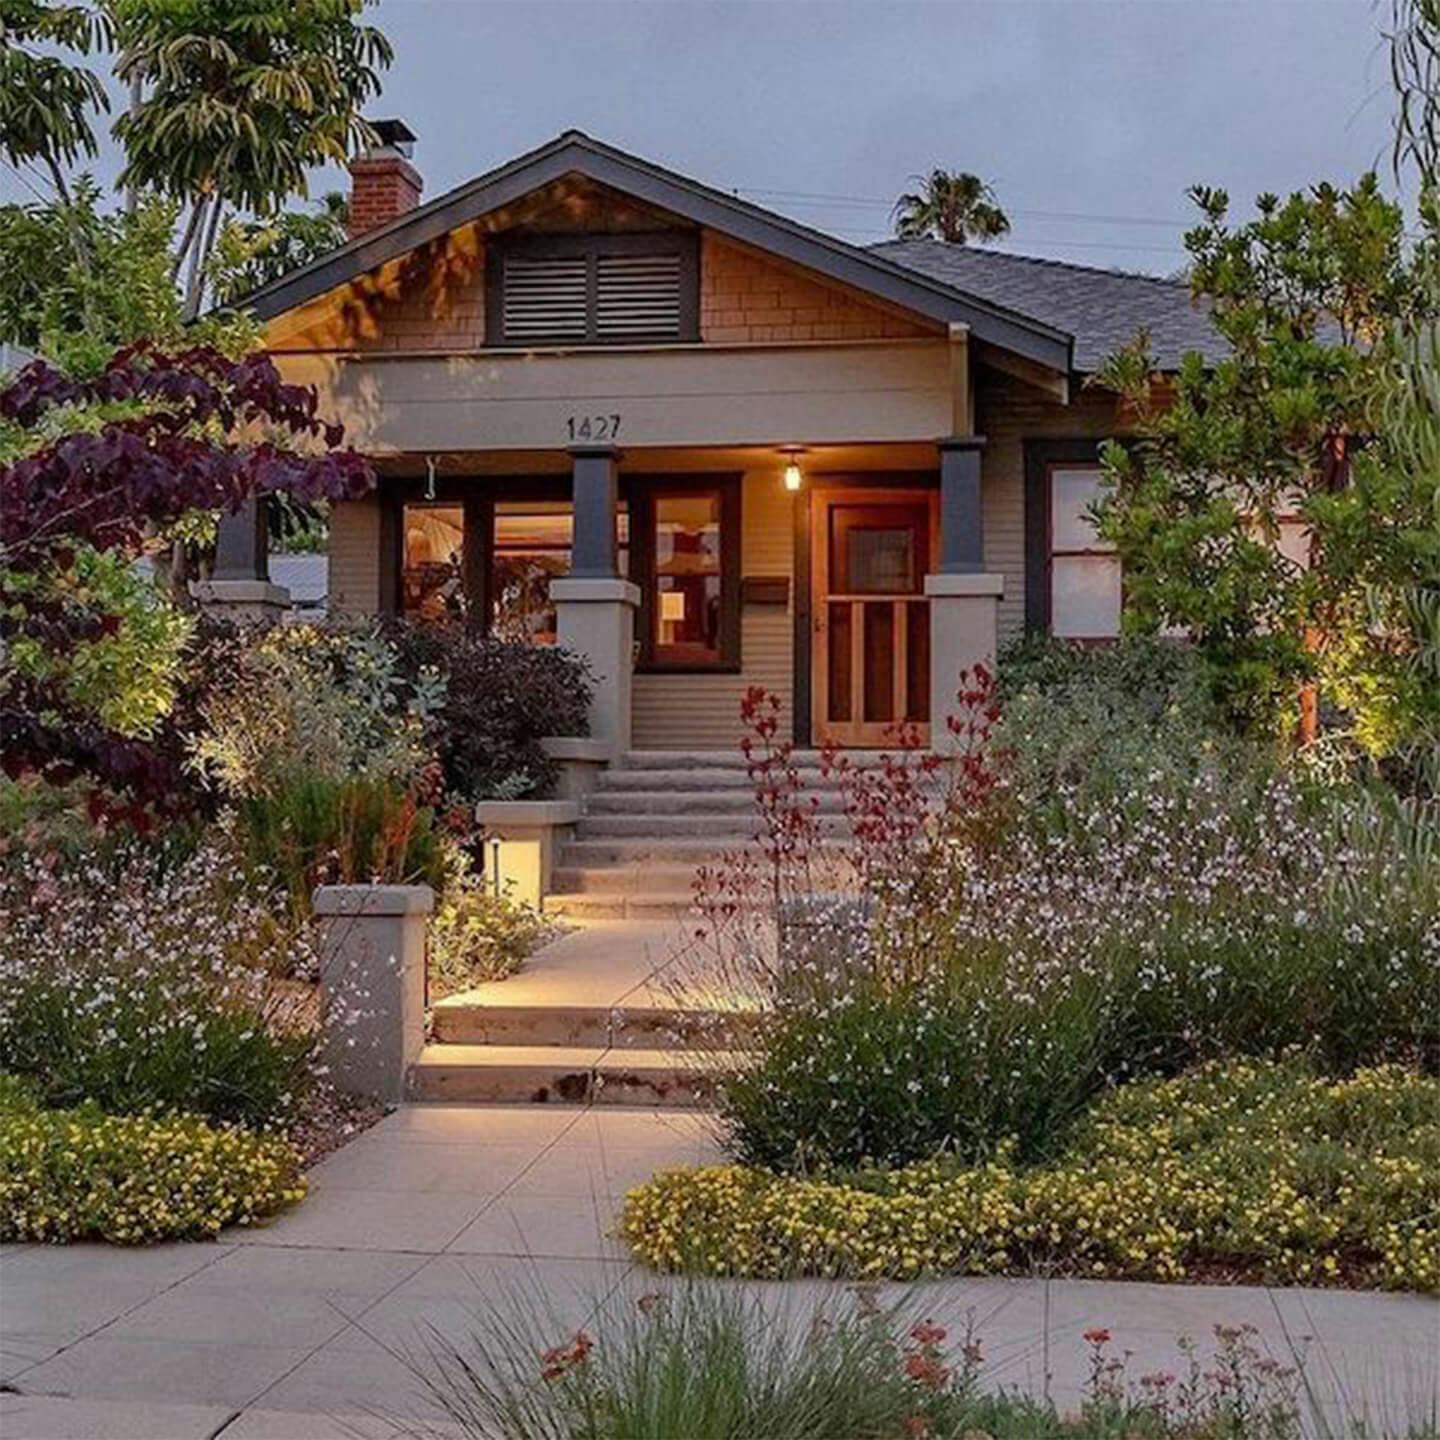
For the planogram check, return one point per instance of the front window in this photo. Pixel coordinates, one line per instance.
(688, 579)
(432, 581)
(1085, 588)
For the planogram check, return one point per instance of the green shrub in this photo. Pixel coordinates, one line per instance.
(501, 699)
(1254, 1171)
(68, 1175)
(140, 980)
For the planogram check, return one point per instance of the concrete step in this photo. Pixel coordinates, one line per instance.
(567, 1075)
(731, 829)
(653, 850)
(678, 880)
(615, 781)
(733, 760)
(696, 802)
(460, 1021)
(620, 905)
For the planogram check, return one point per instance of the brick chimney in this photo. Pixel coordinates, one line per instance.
(383, 182)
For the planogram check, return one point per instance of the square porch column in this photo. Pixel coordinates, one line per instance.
(594, 606)
(240, 587)
(964, 600)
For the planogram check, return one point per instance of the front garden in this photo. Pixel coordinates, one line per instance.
(1112, 991)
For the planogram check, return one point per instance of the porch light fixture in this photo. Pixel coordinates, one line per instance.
(794, 476)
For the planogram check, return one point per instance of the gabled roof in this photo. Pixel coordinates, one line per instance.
(995, 322)
(1102, 309)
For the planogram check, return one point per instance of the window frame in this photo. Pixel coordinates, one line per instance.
(643, 560)
(1042, 457)
(685, 244)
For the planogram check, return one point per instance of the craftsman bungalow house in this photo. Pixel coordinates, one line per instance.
(707, 446)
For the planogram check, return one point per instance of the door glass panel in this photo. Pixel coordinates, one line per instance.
(432, 581)
(879, 661)
(687, 578)
(881, 562)
(917, 663)
(838, 686)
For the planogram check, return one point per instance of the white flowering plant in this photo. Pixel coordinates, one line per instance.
(951, 967)
(142, 978)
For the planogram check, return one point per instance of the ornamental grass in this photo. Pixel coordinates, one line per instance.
(68, 1175)
(1238, 1171)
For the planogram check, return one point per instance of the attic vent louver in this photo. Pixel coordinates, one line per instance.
(594, 289)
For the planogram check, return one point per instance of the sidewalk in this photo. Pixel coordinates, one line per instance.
(292, 1332)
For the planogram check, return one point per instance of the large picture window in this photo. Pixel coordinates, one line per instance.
(432, 567)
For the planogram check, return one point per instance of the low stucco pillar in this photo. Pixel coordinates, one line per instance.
(372, 984)
(595, 618)
(522, 839)
(964, 623)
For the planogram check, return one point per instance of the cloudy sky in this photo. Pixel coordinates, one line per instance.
(1090, 117)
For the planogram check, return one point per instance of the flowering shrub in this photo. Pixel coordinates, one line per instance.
(1244, 1170)
(317, 702)
(151, 980)
(80, 1174)
(956, 970)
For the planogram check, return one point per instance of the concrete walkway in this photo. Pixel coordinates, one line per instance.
(296, 1331)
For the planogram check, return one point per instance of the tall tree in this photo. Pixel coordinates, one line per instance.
(1313, 297)
(956, 207)
(239, 101)
(251, 253)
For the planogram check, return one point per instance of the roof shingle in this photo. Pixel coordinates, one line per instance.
(1102, 309)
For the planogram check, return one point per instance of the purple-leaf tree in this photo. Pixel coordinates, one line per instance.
(109, 462)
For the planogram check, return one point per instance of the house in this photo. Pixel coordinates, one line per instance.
(706, 446)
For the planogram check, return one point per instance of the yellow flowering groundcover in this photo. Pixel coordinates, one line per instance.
(1240, 1170)
(81, 1174)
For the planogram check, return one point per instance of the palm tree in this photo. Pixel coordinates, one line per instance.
(954, 207)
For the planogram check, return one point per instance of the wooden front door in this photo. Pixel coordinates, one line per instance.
(873, 549)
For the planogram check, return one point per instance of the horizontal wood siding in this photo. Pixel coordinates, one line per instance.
(1010, 412)
(703, 711)
(355, 557)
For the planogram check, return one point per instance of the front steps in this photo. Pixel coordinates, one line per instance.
(646, 828)
(655, 818)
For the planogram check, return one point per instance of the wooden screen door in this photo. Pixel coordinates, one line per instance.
(871, 652)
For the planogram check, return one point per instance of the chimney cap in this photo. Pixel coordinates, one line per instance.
(394, 135)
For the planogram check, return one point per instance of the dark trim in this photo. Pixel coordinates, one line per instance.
(576, 153)
(1040, 455)
(392, 505)
(804, 641)
(682, 243)
(479, 549)
(643, 491)
(962, 524)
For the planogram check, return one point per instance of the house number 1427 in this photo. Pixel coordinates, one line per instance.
(593, 427)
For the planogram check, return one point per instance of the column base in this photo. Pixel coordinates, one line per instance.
(964, 627)
(596, 620)
(247, 602)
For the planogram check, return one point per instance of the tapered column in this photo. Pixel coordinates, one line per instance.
(595, 607)
(239, 586)
(964, 600)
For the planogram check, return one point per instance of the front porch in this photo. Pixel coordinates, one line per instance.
(853, 582)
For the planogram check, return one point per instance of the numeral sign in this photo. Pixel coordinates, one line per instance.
(593, 427)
